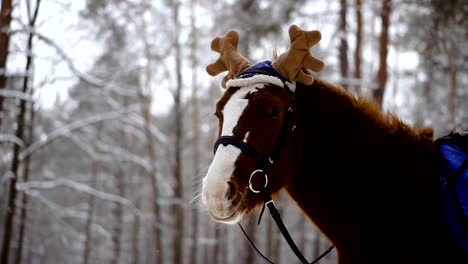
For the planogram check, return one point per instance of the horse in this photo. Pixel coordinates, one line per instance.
(365, 178)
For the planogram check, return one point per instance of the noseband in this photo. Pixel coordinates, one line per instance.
(262, 168)
(244, 147)
(250, 151)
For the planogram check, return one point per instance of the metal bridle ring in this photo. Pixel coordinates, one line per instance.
(250, 181)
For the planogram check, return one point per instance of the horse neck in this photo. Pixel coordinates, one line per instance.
(348, 154)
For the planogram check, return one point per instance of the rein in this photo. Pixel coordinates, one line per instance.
(263, 166)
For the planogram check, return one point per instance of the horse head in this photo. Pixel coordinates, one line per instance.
(255, 117)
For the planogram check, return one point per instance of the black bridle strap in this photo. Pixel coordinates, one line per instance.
(253, 244)
(279, 222)
(329, 249)
(284, 231)
(244, 147)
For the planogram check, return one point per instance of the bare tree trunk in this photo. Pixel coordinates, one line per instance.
(89, 218)
(150, 143)
(343, 49)
(206, 257)
(147, 100)
(15, 163)
(358, 50)
(24, 204)
(118, 218)
(248, 7)
(136, 235)
(396, 67)
(177, 210)
(5, 21)
(250, 228)
(451, 57)
(193, 257)
(301, 228)
(372, 65)
(317, 244)
(217, 250)
(383, 50)
(273, 245)
(147, 103)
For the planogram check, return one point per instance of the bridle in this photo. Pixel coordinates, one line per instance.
(263, 166)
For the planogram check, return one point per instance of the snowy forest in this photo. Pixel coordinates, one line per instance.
(107, 126)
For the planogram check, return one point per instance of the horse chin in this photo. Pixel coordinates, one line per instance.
(232, 219)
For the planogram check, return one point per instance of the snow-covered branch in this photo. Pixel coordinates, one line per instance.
(107, 84)
(87, 147)
(31, 189)
(61, 52)
(123, 154)
(59, 212)
(11, 138)
(52, 184)
(97, 118)
(16, 94)
(155, 131)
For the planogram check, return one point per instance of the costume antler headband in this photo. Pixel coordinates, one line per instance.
(230, 59)
(297, 60)
(294, 65)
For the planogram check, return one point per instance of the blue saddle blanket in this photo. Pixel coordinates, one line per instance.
(454, 185)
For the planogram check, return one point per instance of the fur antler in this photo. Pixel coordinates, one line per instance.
(296, 62)
(230, 59)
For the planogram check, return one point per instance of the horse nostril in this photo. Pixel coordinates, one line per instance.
(231, 191)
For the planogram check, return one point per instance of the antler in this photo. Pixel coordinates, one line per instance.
(296, 62)
(230, 59)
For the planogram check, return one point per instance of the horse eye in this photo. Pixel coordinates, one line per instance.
(274, 112)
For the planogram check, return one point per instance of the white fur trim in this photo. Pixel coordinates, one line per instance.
(259, 78)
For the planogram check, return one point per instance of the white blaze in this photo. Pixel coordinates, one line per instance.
(223, 164)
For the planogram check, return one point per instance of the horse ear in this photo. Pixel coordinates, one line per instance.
(297, 62)
(230, 59)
